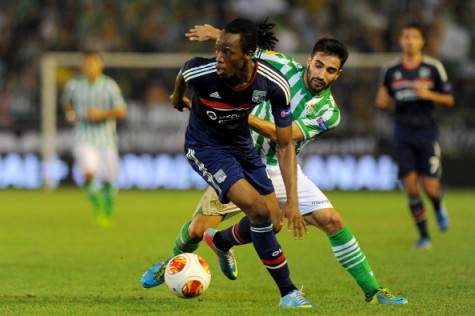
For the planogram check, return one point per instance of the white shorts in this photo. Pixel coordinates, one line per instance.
(309, 195)
(102, 162)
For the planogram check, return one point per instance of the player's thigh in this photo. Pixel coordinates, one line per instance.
(109, 164)
(310, 197)
(246, 197)
(405, 156)
(210, 205)
(218, 168)
(87, 158)
(428, 159)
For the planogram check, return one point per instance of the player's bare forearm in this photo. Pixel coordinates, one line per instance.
(287, 162)
(69, 112)
(443, 99)
(383, 99)
(177, 97)
(95, 114)
(267, 128)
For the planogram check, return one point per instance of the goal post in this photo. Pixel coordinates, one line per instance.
(49, 94)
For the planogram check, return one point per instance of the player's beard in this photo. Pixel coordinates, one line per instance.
(315, 90)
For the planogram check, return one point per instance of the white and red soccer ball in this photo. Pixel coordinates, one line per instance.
(187, 275)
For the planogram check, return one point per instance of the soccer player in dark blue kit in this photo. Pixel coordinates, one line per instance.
(417, 83)
(219, 147)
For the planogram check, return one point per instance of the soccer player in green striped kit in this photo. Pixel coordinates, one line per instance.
(314, 112)
(92, 103)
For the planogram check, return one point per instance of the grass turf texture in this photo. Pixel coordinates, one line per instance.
(55, 261)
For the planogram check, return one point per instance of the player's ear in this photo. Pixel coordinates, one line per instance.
(309, 60)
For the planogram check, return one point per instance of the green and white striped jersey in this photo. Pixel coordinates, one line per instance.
(313, 114)
(104, 94)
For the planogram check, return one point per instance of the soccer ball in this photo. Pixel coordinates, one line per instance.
(187, 275)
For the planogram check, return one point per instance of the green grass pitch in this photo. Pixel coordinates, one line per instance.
(55, 261)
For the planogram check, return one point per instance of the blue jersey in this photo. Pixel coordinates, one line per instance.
(220, 112)
(415, 117)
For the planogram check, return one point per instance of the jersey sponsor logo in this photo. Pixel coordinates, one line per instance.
(258, 96)
(223, 118)
(215, 95)
(284, 114)
(220, 176)
(213, 116)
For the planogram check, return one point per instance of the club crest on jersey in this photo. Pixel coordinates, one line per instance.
(424, 72)
(258, 96)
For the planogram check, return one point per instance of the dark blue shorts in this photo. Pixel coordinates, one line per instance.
(419, 155)
(221, 168)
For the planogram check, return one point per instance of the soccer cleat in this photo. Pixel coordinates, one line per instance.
(227, 261)
(443, 219)
(384, 296)
(103, 221)
(423, 244)
(155, 275)
(295, 299)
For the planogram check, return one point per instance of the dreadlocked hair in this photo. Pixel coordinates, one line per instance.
(252, 35)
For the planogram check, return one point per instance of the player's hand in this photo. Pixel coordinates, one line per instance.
(71, 117)
(202, 33)
(180, 104)
(295, 220)
(95, 115)
(423, 92)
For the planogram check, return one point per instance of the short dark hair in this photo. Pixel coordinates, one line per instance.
(253, 35)
(413, 25)
(331, 46)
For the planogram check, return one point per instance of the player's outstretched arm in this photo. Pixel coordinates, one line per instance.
(268, 129)
(202, 33)
(288, 168)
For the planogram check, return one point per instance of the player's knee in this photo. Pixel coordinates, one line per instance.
(334, 222)
(257, 211)
(196, 229)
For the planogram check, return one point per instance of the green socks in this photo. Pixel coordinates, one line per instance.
(109, 193)
(102, 201)
(94, 197)
(183, 242)
(351, 257)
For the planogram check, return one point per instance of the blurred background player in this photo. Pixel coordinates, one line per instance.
(417, 83)
(92, 103)
(314, 113)
(219, 146)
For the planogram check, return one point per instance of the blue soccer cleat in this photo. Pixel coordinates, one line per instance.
(295, 299)
(155, 275)
(443, 219)
(227, 261)
(424, 244)
(384, 296)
